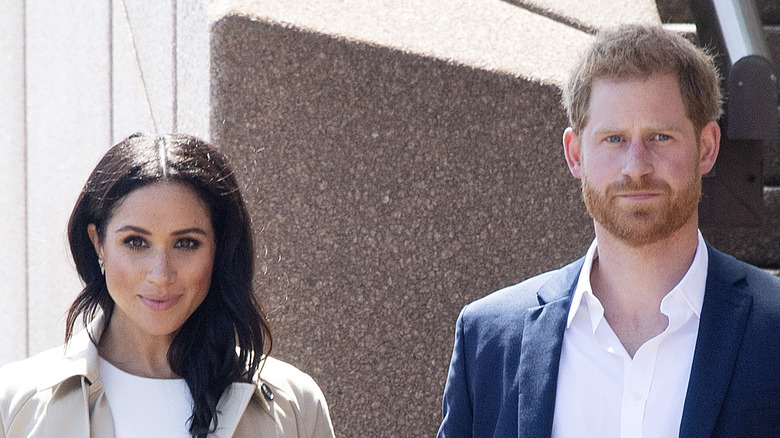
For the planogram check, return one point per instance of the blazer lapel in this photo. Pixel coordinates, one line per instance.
(724, 317)
(541, 351)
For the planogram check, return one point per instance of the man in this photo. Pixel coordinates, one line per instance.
(653, 333)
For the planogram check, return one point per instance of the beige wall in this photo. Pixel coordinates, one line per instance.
(69, 88)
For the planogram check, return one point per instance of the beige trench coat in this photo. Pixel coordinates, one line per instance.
(59, 394)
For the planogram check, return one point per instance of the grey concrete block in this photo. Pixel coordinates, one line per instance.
(772, 152)
(493, 35)
(756, 245)
(769, 11)
(592, 15)
(677, 11)
(387, 190)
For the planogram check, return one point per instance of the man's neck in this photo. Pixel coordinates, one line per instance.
(631, 281)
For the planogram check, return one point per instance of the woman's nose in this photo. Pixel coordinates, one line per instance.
(161, 270)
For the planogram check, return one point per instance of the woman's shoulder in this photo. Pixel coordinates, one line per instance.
(43, 371)
(24, 384)
(294, 391)
(29, 373)
(282, 377)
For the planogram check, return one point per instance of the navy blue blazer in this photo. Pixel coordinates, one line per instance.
(504, 368)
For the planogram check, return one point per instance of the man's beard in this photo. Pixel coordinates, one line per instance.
(642, 225)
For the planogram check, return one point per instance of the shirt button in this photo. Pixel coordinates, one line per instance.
(636, 396)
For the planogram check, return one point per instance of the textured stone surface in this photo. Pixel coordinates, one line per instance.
(591, 15)
(388, 190)
(494, 35)
(772, 154)
(674, 11)
(677, 11)
(756, 245)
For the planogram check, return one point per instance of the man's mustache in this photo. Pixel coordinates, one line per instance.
(629, 185)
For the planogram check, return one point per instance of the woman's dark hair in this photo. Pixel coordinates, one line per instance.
(224, 340)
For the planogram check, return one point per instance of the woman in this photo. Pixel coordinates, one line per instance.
(175, 343)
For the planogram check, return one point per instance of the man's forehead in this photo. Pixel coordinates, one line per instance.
(654, 102)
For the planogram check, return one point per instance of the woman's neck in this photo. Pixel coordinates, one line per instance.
(135, 353)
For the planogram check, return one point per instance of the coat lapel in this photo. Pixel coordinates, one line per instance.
(67, 413)
(231, 408)
(541, 352)
(724, 317)
(77, 407)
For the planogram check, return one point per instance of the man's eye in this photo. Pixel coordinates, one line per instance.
(661, 137)
(614, 139)
(188, 244)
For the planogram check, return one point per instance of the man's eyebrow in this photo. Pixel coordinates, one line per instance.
(652, 127)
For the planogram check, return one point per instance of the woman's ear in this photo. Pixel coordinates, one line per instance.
(95, 238)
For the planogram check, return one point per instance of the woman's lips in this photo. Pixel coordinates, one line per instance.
(160, 303)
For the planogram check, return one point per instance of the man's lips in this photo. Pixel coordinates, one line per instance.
(160, 302)
(638, 196)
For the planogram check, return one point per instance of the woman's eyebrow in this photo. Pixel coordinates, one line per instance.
(145, 232)
(133, 228)
(195, 230)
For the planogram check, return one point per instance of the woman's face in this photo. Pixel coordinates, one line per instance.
(158, 253)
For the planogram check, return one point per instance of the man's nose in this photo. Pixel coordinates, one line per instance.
(637, 160)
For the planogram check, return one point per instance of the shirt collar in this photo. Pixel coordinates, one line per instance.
(687, 294)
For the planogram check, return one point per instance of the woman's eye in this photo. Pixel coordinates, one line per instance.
(135, 242)
(188, 244)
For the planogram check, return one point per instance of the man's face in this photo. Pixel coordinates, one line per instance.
(639, 159)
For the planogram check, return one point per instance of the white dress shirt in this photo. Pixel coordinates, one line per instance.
(603, 392)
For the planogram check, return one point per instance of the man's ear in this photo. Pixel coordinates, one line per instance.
(709, 146)
(573, 152)
(95, 238)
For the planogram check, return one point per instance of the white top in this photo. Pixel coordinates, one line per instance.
(601, 390)
(144, 407)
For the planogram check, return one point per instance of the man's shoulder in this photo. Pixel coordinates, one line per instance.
(758, 283)
(522, 296)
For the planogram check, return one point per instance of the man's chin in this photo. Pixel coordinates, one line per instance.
(636, 237)
(640, 228)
